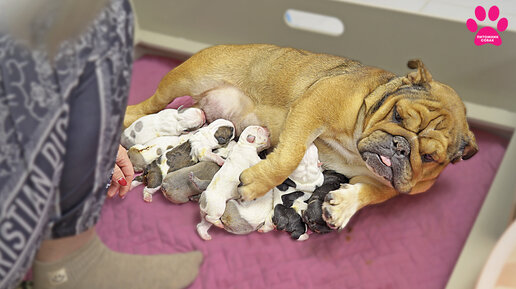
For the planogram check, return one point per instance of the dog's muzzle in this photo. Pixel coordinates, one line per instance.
(390, 159)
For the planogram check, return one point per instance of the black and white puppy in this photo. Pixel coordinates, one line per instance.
(199, 147)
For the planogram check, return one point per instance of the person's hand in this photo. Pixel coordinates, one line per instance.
(122, 175)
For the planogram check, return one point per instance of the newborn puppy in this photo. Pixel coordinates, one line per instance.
(142, 155)
(312, 216)
(199, 147)
(178, 187)
(287, 216)
(225, 182)
(290, 197)
(242, 217)
(168, 122)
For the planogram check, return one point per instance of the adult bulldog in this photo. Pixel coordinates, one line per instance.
(390, 134)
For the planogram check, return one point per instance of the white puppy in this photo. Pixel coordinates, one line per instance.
(225, 182)
(209, 138)
(168, 122)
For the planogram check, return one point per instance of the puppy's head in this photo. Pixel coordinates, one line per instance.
(414, 127)
(255, 136)
(190, 119)
(222, 130)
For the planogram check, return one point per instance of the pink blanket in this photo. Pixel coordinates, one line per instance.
(406, 242)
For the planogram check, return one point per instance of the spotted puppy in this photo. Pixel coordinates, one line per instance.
(199, 147)
(243, 217)
(142, 155)
(290, 197)
(223, 187)
(168, 122)
(188, 183)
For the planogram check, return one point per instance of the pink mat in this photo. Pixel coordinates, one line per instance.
(407, 242)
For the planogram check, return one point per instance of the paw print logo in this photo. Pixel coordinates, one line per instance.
(487, 35)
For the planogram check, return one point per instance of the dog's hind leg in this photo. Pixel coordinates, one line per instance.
(204, 71)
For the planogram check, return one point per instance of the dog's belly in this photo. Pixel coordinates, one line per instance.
(229, 102)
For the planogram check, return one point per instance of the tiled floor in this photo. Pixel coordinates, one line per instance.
(457, 10)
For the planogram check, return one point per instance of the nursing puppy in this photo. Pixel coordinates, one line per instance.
(142, 155)
(199, 147)
(285, 203)
(224, 184)
(179, 187)
(289, 197)
(313, 215)
(188, 183)
(390, 134)
(167, 122)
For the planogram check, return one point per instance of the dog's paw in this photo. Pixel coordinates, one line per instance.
(253, 184)
(340, 205)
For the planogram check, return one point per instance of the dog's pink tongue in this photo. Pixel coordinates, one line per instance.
(385, 160)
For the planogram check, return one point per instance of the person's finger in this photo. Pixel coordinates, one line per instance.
(122, 160)
(113, 189)
(122, 191)
(117, 180)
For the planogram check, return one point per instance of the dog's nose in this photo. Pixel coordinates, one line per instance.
(401, 146)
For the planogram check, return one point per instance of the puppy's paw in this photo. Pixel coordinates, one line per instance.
(202, 230)
(215, 221)
(220, 161)
(268, 225)
(253, 184)
(148, 192)
(340, 205)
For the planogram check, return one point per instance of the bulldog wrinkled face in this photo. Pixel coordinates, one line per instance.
(414, 134)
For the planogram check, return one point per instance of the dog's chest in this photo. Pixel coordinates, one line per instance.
(343, 157)
(345, 148)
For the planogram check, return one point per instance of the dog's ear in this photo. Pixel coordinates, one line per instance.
(422, 75)
(467, 149)
(250, 138)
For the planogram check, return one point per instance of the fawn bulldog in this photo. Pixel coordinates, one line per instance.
(389, 134)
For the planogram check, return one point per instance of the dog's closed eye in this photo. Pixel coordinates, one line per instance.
(396, 117)
(427, 158)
